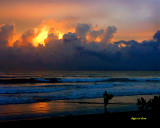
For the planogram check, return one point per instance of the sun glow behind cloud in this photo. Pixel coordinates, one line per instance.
(56, 28)
(42, 35)
(53, 29)
(122, 45)
(48, 36)
(74, 49)
(60, 35)
(134, 17)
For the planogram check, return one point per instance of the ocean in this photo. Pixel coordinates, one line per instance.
(32, 87)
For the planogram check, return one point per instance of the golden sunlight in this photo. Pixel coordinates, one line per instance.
(122, 45)
(40, 107)
(41, 36)
(60, 34)
(98, 39)
(40, 33)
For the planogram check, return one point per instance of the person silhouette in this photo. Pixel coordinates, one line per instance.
(106, 97)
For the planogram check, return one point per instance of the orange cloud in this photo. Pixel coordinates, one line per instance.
(39, 34)
(54, 29)
(8, 34)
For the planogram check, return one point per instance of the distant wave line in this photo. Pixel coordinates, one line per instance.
(74, 80)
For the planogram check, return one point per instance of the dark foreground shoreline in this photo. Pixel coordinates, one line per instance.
(123, 116)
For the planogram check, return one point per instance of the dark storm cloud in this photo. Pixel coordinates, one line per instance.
(6, 33)
(27, 37)
(71, 53)
(140, 56)
(93, 34)
(70, 36)
(157, 36)
(82, 29)
(108, 33)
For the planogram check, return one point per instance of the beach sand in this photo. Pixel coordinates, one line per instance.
(120, 108)
(80, 120)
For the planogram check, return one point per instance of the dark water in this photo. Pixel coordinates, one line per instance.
(32, 87)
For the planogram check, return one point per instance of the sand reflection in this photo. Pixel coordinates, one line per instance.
(47, 107)
(40, 107)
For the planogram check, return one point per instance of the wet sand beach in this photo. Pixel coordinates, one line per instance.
(81, 119)
(120, 108)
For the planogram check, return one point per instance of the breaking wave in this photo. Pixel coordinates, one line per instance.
(74, 80)
(16, 90)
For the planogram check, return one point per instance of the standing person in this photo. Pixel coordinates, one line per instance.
(106, 97)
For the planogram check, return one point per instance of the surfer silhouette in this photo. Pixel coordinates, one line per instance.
(106, 97)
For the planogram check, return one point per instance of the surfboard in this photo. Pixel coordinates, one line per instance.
(110, 96)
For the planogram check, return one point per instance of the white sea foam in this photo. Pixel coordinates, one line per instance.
(33, 89)
(65, 92)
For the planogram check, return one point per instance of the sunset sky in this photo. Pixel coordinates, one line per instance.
(135, 19)
(79, 34)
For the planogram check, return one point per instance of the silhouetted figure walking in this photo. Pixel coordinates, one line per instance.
(106, 97)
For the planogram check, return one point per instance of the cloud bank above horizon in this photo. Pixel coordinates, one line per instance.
(65, 45)
(135, 19)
